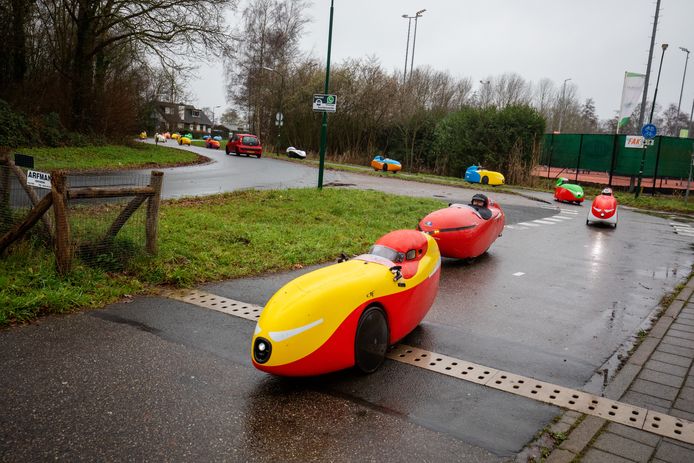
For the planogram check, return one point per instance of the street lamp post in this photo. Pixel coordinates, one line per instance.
(486, 84)
(414, 39)
(679, 104)
(407, 46)
(657, 82)
(324, 121)
(279, 120)
(650, 120)
(213, 119)
(563, 103)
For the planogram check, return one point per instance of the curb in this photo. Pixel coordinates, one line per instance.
(589, 428)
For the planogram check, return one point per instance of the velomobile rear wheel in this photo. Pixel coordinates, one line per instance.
(371, 340)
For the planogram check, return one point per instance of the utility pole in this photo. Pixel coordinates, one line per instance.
(648, 67)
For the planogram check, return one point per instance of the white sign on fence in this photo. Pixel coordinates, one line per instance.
(39, 179)
(634, 141)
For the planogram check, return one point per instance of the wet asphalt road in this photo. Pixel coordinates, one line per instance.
(160, 379)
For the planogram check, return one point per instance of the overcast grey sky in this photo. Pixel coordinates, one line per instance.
(590, 41)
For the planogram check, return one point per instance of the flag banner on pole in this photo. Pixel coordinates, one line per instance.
(631, 95)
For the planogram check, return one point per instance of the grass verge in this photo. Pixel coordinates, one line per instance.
(108, 157)
(206, 239)
(659, 203)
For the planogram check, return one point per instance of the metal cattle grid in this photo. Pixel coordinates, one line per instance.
(571, 399)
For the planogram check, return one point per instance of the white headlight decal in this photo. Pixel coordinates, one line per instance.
(279, 336)
(257, 330)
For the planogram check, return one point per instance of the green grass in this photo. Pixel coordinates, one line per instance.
(200, 240)
(108, 157)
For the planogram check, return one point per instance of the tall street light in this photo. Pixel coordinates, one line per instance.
(279, 119)
(407, 46)
(563, 103)
(679, 104)
(213, 119)
(486, 86)
(414, 39)
(657, 81)
(324, 120)
(650, 121)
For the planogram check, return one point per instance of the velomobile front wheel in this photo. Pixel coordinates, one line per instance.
(371, 340)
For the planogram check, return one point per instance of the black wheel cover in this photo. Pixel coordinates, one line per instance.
(485, 180)
(371, 340)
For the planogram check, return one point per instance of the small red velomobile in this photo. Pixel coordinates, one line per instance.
(465, 231)
(603, 209)
(348, 313)
(212, 143)
(568, 192)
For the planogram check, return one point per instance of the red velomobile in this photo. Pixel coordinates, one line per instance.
(347, 314)
(465, 232)
(603, 209)
(568, 192)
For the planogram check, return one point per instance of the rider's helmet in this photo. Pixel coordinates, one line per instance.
(479, 201)
(607, 191)
(561, 181)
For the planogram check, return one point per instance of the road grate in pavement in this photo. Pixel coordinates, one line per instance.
(611, 410)
(218, 303)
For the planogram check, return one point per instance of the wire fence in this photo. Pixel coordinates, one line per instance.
(103, 219)
(15, 204)
(102, 234)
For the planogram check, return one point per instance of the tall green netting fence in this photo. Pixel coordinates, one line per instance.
(667, 158)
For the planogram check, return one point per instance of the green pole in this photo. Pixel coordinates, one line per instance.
(324, 124)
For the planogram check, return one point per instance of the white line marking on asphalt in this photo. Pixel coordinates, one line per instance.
(543, 222)
(528, 224)
(518, 274)
(571, 399)
(552, 219)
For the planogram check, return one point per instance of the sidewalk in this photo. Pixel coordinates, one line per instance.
(658, 376)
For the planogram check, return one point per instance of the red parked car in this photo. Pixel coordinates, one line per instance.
(244, 143)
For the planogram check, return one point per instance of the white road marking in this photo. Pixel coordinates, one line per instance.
(544, 222)
(518, 274)
(528, 224)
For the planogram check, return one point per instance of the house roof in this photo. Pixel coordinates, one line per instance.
(188, 117)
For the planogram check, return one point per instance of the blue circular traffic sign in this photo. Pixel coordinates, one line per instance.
(649, 131)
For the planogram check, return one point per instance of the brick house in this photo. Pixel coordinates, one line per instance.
(178, 117)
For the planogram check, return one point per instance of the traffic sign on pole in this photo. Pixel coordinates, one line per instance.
(649, 131)
(323, 102)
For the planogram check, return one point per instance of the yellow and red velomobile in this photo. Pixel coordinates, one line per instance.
(347, 314)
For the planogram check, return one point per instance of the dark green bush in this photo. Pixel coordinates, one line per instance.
(15, 129)
(487, 136)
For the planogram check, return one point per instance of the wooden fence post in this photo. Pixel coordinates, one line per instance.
(63, 248)
(152, 223)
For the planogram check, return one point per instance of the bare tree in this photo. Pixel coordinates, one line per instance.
(510, 89)
(270, 39)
